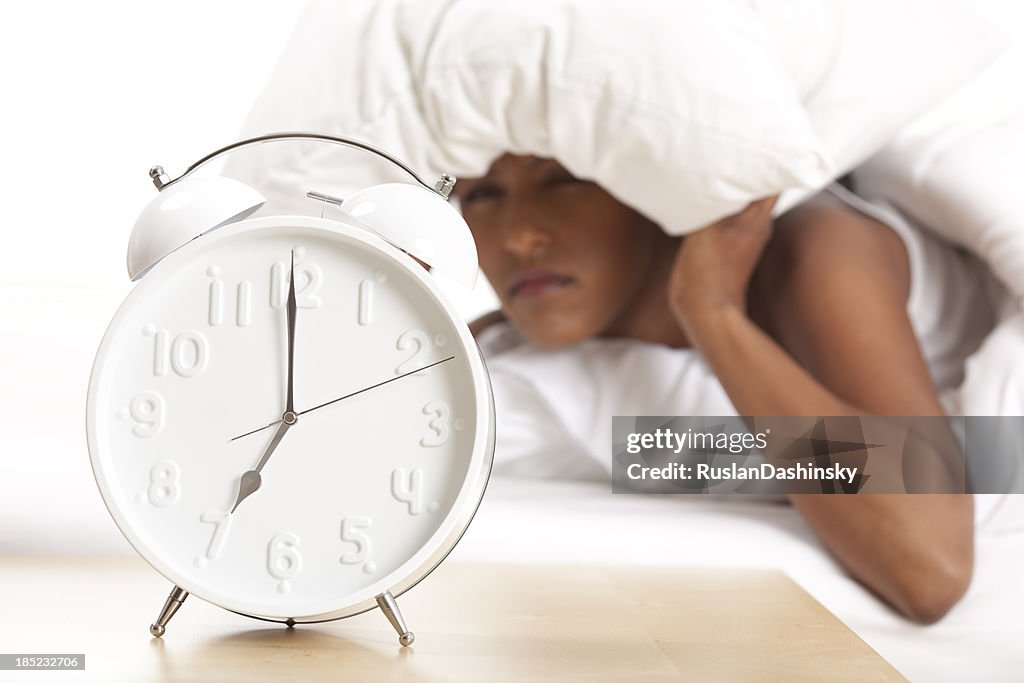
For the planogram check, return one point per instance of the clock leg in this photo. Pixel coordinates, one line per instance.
(174, 601)
(389, 607)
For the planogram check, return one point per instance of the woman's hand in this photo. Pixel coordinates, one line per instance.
(714, 265)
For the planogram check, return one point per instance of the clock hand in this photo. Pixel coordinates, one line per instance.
(374, 386)
(292, 307)
(341, 398)
(251, 480)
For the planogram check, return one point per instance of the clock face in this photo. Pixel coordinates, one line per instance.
(362, 495)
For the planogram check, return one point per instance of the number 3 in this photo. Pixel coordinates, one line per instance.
(439, 424)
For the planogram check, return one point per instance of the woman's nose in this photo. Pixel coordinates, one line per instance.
(525, 238)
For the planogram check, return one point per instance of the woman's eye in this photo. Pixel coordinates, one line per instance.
(563, 180)
(479, 193)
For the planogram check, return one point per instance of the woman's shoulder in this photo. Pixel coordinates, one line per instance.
(821, 236)
(826, 252)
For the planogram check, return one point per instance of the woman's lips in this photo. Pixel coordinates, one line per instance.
(538, 282)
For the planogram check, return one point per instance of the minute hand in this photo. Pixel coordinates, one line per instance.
(342, 398)
(289, 406)
(374, 386)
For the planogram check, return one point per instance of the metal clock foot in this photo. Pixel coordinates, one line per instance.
(389, 607)
(174, 601)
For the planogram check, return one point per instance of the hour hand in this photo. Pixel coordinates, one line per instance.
(250, 483)
(251, 480)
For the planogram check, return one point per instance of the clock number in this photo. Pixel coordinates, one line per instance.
(407, 487)
(147, 409)
(186, 354)
(307, 295)
(283, 559)
(159, 349)
(440, 423)
(365, 315)
(222, 524)
(243, 311)
(408, 340)
(243, 302)
(350, 532)
(164, 488)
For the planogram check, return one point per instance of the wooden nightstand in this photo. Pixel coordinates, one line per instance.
(473, 622)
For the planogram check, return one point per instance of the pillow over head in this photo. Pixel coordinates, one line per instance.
(678, 108)
(684, 109)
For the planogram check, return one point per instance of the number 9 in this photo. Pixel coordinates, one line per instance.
(147, 409)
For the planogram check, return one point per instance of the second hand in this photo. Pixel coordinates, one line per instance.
(342, 398)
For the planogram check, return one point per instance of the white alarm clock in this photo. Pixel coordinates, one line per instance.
(286, 417)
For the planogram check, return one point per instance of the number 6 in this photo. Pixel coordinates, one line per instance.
(283, 559)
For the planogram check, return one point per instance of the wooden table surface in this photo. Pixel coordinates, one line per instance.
(473, 622)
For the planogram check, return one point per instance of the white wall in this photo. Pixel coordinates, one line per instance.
(102, 91)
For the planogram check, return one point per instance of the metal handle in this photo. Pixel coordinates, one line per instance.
(161, 180)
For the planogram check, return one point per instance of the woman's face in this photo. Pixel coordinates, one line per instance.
(566, 259)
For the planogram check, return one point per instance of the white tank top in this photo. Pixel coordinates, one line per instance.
(953, 303)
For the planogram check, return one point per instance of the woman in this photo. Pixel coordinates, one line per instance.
(806, 315)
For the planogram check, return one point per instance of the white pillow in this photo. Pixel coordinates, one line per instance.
(957, 170)
(865, 69)
(678, 107)
(968, 189)
(684, 109)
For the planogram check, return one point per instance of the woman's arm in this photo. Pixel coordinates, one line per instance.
(832, 288)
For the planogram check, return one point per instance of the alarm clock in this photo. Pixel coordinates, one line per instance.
(286, 417)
